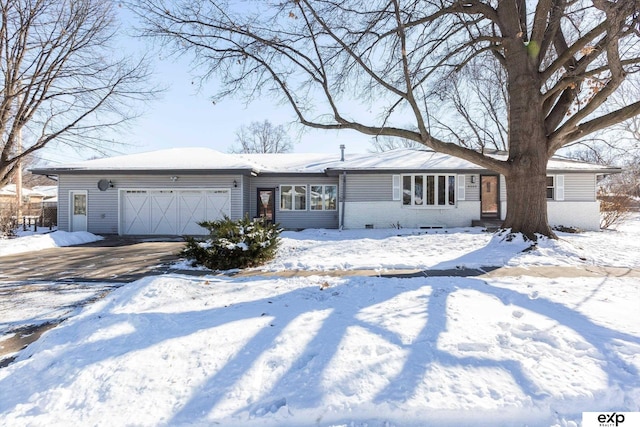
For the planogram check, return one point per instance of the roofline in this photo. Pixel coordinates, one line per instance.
(327, 172)
(71, 171)
(336, 171)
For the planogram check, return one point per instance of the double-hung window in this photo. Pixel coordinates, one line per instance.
(428, 190)
(324, 197)
(555, 187)
(293, 197)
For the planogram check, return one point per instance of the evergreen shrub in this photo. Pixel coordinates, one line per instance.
(233, 244)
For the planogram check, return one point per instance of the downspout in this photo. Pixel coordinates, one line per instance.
(344, 188)
(344, 198)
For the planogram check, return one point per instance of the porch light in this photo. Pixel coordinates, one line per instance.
(235, 184)
(173, 178)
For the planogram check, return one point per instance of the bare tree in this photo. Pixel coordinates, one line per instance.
(560, 61)
(262, 137)
(380, 144)
(60, 78)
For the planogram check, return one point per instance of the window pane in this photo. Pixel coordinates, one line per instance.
(431, 190)
(79, 204)
(550, 182)
(300, 197)
(406, 190)
(285, 197)
(330, 197)
(452, 190)
(441, 190)
(418, 190)
(316, 197)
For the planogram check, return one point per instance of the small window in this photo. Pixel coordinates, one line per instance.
(293, 197)
(79, 204)
(324, 197)
(550, 187)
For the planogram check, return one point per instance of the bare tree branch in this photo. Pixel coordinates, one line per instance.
(57, 79)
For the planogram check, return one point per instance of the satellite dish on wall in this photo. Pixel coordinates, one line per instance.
(103, 184)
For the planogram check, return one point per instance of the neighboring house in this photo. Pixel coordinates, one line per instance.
(167, 192)
(49, 193)
(31, 201)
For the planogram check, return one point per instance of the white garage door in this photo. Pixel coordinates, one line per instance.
(171, 212)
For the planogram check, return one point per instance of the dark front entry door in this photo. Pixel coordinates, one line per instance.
(267, 203)
(489, 196)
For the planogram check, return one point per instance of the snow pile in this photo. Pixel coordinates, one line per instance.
(38, 242)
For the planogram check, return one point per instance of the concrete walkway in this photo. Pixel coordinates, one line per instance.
(486, 272)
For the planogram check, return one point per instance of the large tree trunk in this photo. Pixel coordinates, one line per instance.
(528, 154)
(527, 203)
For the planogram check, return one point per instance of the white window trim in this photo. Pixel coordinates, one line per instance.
(396, 187)
(447, 205)
(461, 193)
(558, 187)
(293, 205)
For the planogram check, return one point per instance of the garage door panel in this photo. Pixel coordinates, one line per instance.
(136, 210)
(172, 212)
(218, 205)
(163, 213)
(192, 211)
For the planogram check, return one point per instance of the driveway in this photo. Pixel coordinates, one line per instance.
(113, 259)
(84, 273)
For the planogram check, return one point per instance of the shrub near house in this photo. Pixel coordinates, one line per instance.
(233, 244)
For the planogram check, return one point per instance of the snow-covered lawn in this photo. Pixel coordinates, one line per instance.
(350, 351)
(35, 242)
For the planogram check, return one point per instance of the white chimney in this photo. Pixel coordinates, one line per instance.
(342, 147)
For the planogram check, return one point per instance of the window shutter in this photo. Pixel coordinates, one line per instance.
(462, 187)
(559, 187)
(396, 187)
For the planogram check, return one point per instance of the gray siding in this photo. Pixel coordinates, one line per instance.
(295, 219)
(369, 187)
(246, 196)
(579, 187)
(103, 206)
(472, 189)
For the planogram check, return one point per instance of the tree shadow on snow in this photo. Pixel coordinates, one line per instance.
(302, 385)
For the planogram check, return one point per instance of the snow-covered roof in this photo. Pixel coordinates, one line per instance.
(294, 162)
(10, 190)
(206, 159)
(406, 158)
(193, 158)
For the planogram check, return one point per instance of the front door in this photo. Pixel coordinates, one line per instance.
(267, 204)
(78, 211)
(489, 196)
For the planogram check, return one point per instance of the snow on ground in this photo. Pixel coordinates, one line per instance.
(36, 242)
(449, 248)
(349, 351)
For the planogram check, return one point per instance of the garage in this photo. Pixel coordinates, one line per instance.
(171, 212)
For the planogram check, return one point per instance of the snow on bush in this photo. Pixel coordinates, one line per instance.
(233, 244)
